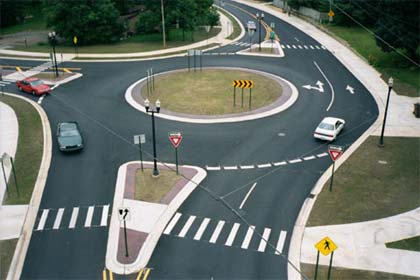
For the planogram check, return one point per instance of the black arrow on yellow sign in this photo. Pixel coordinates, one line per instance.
(243, 84)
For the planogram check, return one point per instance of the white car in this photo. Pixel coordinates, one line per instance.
(329, 128)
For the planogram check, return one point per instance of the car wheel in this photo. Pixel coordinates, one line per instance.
(33, 92)
(20, 88)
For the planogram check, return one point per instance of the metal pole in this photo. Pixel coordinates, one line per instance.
(259, 31)
(155, 170)
(194, 61)
(234, 96)
(329, 268)
(332, 176)
(4, 176)
(242, 98)
(147, 83)
(141, 156)
(381, 139)
(316, 266)
(62, 63)
(163, 24)
(201, 61)
(153, 79)
(125, 237)
(14, 175)
(176, 160)
(55, 59)
(250, 97)
(188, 55)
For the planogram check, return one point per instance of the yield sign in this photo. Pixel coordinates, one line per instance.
(335, 152)
(175, 138)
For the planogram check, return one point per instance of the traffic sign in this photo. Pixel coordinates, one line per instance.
(335, 152)
(243, 83)
(6, 159)
(75, 40)
(175, 138)
(272, 35)
(124, 214)
(326, 246)
(331, 13)
(139, 139)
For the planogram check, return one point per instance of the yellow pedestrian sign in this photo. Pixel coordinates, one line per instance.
(326, 246)
(331, 14)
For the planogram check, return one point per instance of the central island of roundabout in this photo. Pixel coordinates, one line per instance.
(213, 95)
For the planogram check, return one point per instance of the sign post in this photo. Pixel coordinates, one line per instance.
(242, 84)
(4, 173)
(124, 215)
(75, 45)
(140, 139)
(175, 138)
(325, 246)
(335, 152)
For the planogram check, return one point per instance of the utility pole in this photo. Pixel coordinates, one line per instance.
(163, 24)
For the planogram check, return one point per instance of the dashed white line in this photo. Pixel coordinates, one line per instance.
(300, 47)
(263, 242)
(280, 243)
(201, 229)
(247, 195)
(217, 231)
(283, 46)
(210, 168)
(305, 46)
(232, 234)
(322, 155)
(293, 46)
(89, 216)
(323, 47)
(317, 47)
(104, 218)
(329, 83)
(288, 46)
(309, 158)
(247, 166)
(295, 160)
(279, 163)
(248, 236)
(172, 223)
(73, 218)
(311, 47)
(230, 167)
(43, 219)
(40, 99)
(58, 218)
(187, 226)
(264, 165)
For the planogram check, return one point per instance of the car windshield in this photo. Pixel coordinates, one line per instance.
(68, 129)
(36, 83)
(326, 126)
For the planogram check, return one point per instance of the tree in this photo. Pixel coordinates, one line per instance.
(11, 12)
(91, 21)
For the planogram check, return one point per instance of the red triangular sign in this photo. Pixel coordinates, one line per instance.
(335, 154)
(175, 139)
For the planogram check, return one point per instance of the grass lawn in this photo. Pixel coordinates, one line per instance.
(373, 183)
(35, 22)
(236, 28)
(137, 43)
(29, 150)
(7, 249)
(347, 274)
(412, 244)
(152, 189)
(210, 92)
(406, 75)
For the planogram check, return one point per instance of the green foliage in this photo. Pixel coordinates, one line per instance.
(91, 21)
(147, 22)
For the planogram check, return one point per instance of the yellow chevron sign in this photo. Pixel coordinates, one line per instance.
(243, 83)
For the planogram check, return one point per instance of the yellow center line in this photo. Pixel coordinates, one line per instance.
(146, 274)
(104, 274)
(140, 274)
(66, 70)
(18, 69)
(111, 277)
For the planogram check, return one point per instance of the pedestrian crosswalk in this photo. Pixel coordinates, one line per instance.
(42, 67)
(229, 234)
(241, 44)
(4, 83)
(71, 218)
(302, 47)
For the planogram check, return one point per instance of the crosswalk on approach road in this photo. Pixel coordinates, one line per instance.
(229, 234)
(72, 217)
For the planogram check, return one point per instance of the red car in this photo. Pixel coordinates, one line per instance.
(34, 86)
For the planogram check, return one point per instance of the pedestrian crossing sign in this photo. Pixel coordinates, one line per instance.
(326, 246)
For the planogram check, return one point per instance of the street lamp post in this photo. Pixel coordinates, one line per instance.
(381, 139)
(53, 40)
(153, 111)
(259, 18)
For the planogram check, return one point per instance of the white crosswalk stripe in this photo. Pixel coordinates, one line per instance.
(172, 223)
(280, 243)
(201, 229)
(305, 46)
(232, 234)
(217, 231)
(73, 218)
(58, 218)
(89, 216)
(248, 237)
(311, 46)
(104, 218)
(263, 242)
(187, 226)
(44, 216)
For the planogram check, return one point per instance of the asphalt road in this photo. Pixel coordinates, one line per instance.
(87, 179)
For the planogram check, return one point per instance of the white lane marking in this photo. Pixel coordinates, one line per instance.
(309, 158)
(295, 160)
(329, 83)
(300, 47)
(172, 223)
(43, 219)
(73, 218)
(247, 166)
(104, 218)
(40, 99)
(247, 195)
(311, 47)
(296, 39)
(263, 242)
(305, 46)
(264, 165)
(89, 216)
(323, 47)
(248, 236)
(58, 218)
(322, 155)
(280, 243)
(210, 168)
(201, 229)
(187, 226)
(283, 46)
(279, 163)
(293, 46)
(230, 167)
(288, 46)
(317, 47)
(217, 231)
(232, 234)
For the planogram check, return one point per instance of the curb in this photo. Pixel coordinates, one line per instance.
(19, 256)
(153, 237)
(291, 100)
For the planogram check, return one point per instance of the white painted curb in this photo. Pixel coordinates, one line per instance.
(153, 237)
(19, 256)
